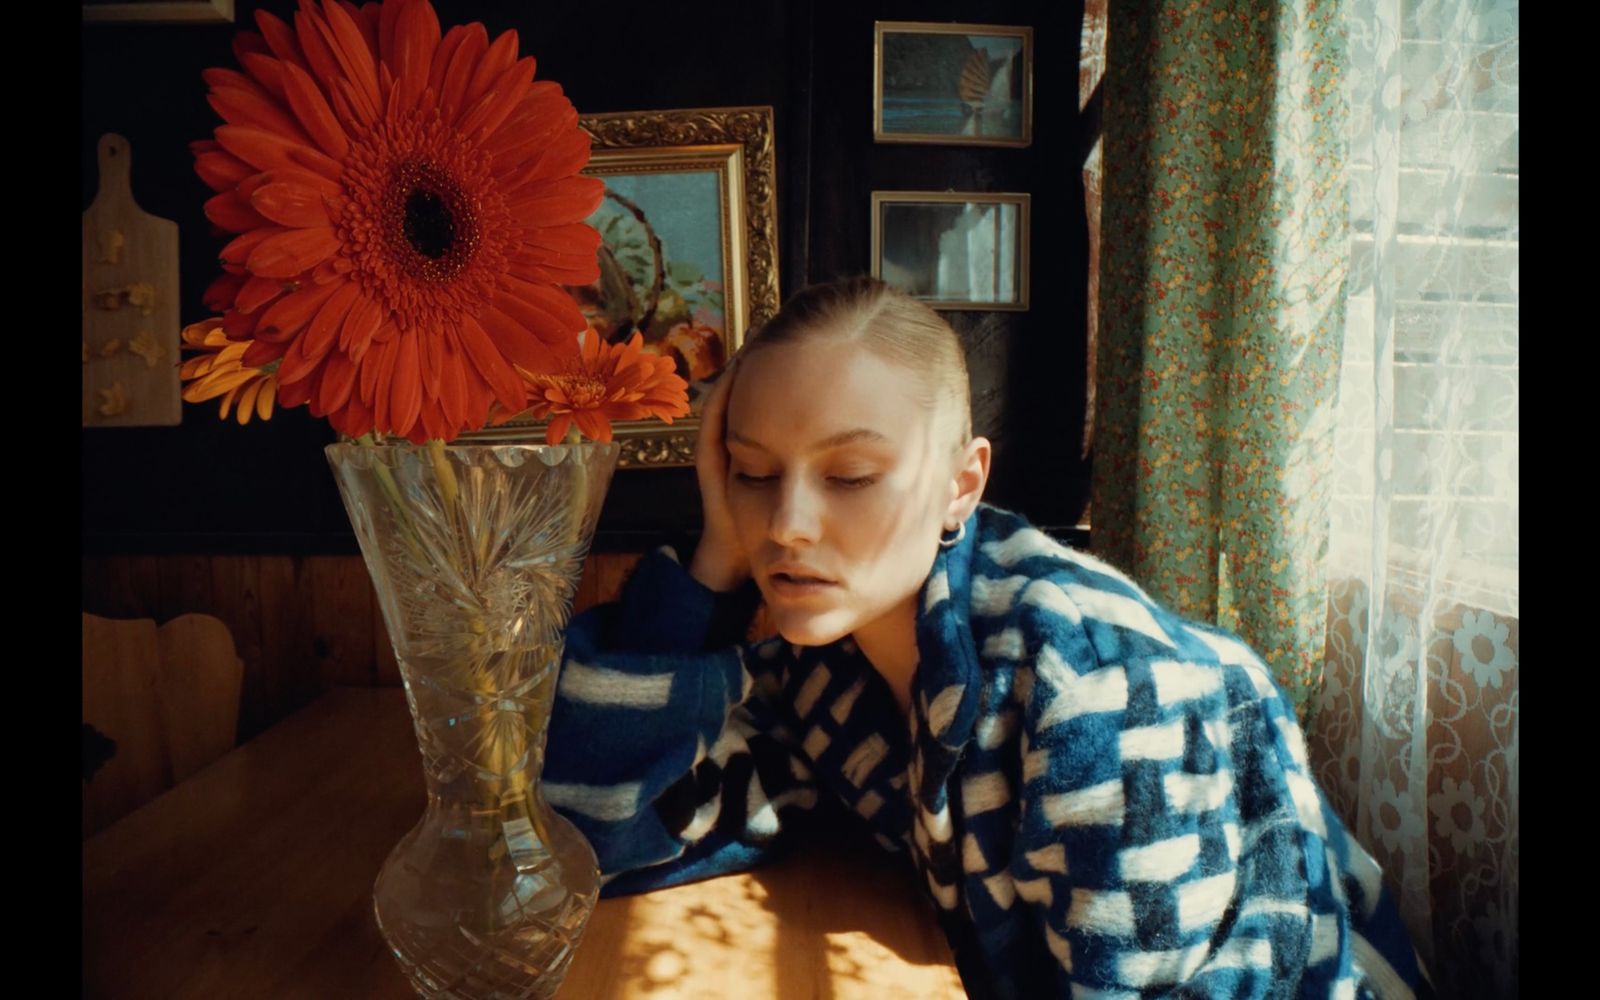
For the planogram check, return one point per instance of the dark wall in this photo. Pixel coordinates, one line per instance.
(210, 486)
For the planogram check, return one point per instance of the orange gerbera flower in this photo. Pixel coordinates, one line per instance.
(218, 371)
(407, 207)
(607, 382)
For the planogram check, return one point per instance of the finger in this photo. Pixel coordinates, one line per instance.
(718, 400)
(713, 416)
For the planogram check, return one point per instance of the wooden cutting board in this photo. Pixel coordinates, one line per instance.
(130, 304)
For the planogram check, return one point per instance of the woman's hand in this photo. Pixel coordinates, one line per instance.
(718, 562)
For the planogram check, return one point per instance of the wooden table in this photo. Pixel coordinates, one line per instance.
(254, 879)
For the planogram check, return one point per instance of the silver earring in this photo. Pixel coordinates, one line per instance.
(961, 532)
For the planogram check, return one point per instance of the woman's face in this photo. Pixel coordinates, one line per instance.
(839, 482)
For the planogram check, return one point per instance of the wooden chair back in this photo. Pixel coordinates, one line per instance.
(167, 698)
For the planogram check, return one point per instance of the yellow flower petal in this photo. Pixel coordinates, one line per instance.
(227, 403)
(269, 393)
(247, 402)
(207, 388)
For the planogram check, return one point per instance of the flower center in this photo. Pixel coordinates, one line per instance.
(583, 391)
(428, 223)
(431, 225)
(425, 225)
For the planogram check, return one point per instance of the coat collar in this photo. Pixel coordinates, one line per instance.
(947, 686)
(946, 690)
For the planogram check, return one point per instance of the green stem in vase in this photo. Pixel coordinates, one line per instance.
(578, 467)
(577, 462)
(448, 487)
(397, 504)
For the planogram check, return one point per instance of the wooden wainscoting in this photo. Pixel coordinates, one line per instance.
(302, 624)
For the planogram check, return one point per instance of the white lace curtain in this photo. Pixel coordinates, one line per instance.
(1415, 734)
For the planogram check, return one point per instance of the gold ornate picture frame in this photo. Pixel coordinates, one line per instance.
(952, 84)
(954, 249)
(689, 252)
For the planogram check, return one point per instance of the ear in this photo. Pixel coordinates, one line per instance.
(967, 483)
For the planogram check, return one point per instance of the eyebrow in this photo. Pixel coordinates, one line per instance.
(832, 441)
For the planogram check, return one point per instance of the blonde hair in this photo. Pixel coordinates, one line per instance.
(889, 323)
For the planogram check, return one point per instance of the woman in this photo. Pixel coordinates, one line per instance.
(1103, 799)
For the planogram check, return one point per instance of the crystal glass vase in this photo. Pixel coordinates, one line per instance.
(475, 552)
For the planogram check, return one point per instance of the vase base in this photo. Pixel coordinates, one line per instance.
(527, 965)
(513, 941)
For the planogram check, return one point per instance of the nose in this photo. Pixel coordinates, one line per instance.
(796, 517)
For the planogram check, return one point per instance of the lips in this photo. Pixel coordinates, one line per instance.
(790, 580)
(800, 578)
(793, 589)
(797, 573)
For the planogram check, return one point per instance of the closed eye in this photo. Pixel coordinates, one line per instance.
(843, 482)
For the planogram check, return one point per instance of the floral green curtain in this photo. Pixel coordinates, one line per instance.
(1224, 245)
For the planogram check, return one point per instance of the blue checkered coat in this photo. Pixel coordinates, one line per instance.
(1103, 799)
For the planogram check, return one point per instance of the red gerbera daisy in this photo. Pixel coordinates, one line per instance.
(407, 207)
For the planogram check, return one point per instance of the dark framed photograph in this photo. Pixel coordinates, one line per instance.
(952, 84)
(953, 249)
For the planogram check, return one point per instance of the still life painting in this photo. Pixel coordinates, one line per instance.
(687, 254)
(661, 268)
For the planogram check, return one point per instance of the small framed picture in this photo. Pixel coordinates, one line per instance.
(953, 249)
(952, 84)
(158, 11)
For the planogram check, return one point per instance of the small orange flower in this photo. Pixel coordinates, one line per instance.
(219, 371)
(607, 382)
